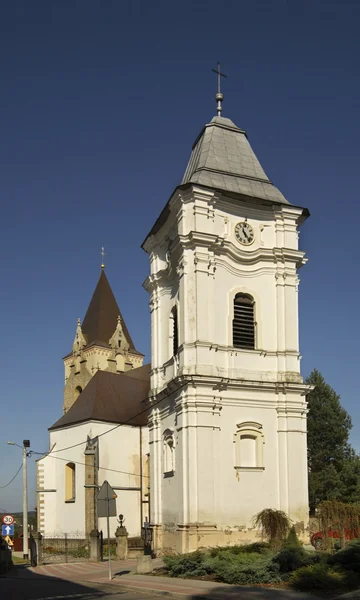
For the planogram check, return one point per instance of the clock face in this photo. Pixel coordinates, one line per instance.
(244, 233)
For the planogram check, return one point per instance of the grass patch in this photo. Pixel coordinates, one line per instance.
(19, 561)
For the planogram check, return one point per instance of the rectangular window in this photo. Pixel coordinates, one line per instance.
(70, 482)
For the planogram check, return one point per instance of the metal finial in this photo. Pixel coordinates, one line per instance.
(219, 96)
(102, 258)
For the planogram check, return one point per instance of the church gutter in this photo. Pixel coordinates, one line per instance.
(141, 479)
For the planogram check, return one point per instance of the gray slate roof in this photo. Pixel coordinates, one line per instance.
(222, 158)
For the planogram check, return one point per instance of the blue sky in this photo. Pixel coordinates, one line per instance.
(100, 103)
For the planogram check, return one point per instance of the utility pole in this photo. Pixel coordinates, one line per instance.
(26, 445)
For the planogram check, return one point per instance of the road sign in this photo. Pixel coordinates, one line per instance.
(106, 507)
(106, 501)
(7, 530)
(8, 520)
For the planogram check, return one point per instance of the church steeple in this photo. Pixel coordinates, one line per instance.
(223, 159)
(102, 342)
(101, 317)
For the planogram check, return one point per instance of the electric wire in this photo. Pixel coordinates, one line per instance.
(52, 452)
(2, 487)
(84, 464)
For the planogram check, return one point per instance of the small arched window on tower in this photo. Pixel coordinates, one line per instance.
(174, 332)
(70, 482)
(169, 453)
(249, 443)
(244, 322)
(78, 391)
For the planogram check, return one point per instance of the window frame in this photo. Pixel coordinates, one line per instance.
(253, 430)
(168, 453)
(70, 482)
(249, 299)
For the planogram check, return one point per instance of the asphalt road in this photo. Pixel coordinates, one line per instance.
(30, 587)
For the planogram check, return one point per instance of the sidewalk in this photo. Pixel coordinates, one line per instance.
(125, 579)
(192, 589)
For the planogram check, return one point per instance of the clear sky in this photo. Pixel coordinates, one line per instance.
(100, 103)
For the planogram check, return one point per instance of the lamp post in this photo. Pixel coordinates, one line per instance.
(24, 447)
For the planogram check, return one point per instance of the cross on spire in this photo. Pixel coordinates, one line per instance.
(102, 258)
(219, 96)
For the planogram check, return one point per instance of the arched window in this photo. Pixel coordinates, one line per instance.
(70, 482)
(249, 442)
(174, 332)
(169, 453)
(78, 391)
(243, 322)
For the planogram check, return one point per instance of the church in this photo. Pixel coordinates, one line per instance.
(214, 429)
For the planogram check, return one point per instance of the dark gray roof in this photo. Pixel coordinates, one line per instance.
(101, 316)
(111, 398)
(222, 158)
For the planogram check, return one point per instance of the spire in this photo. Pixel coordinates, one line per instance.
(102, 315)
(79, 341)
(223, 159)
(102, 258)
(219, 96)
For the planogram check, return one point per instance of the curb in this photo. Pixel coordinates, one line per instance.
(154, 592)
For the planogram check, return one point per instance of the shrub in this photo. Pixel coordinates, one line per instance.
(245, 568)
(320, 578)
(256, 547)
(348, 558)
(274, 524)
(185, 565)
(290, 559)
(292, 540)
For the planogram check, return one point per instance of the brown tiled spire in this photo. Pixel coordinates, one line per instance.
(102, 315)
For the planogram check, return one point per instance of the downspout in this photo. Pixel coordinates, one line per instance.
(141, 482)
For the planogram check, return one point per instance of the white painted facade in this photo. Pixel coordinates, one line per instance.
(119, 462)
(211, 390)
(227, 426)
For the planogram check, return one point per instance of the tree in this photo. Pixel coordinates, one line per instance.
(274, 524)
(334, 467)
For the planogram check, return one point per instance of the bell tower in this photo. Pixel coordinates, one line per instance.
(102, 342)
(229, 402)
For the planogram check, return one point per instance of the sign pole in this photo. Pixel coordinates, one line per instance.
(108, 532)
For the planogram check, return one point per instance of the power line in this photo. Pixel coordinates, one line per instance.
(84, 464)
(2, 487)
(109, 430)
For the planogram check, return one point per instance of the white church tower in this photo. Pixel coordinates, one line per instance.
(228, 423)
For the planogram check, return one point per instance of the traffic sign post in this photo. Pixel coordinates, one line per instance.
(8, 519)
(7, 530)
(106, 503)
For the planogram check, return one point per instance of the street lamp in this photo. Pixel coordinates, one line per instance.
(26, 444)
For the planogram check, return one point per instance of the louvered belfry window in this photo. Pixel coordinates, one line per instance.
(243, 322)
(175, 332)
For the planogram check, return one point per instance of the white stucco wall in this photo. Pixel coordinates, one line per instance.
(197, 265)
(119, 461)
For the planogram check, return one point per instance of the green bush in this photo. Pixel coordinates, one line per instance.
(185, 565)
(348, 558)
(292, 540)
(256, 547)
(242, 568)
(320, 578)
(290, 559)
